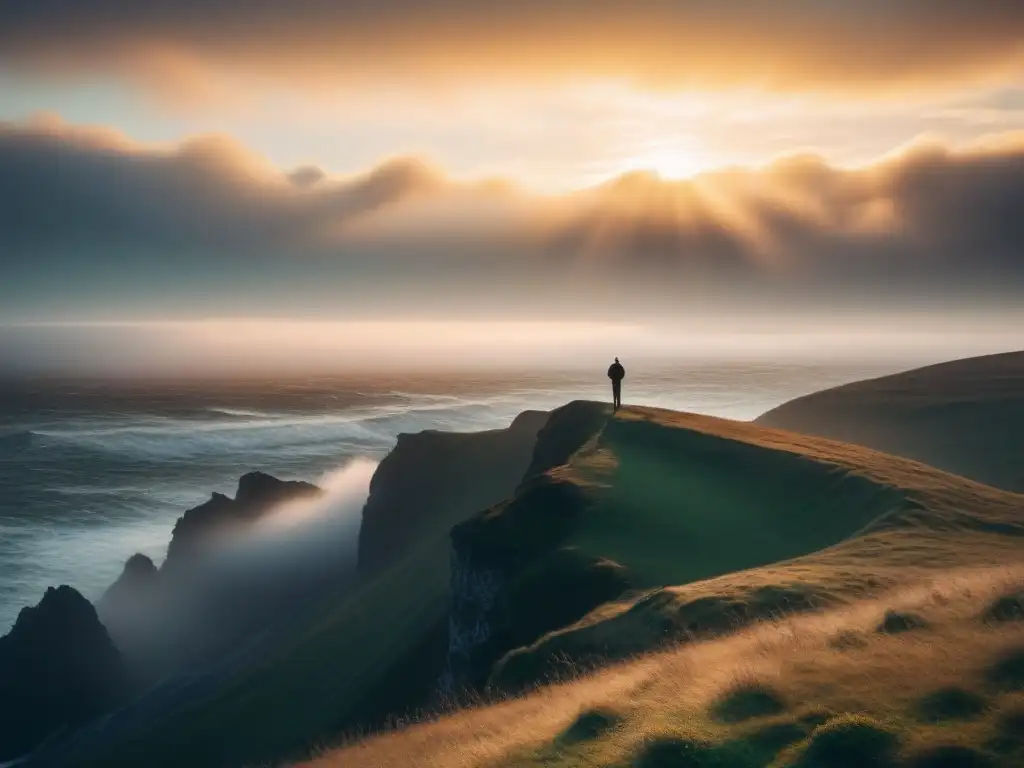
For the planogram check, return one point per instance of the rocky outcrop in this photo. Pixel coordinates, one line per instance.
(58, 669)
(433, 480)
(140, 574)
(164, 618)
(257, 494)
(513, 578)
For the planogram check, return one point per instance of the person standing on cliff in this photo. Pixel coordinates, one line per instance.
(616, 373)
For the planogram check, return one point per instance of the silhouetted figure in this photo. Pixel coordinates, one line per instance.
(616, 373)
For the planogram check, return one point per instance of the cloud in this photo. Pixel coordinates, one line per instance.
(207, 218)
(779, 44)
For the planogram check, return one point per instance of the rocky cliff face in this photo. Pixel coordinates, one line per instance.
(432, 480)
(161, 618)
(512, 576)
(257, 494)
(58, 669)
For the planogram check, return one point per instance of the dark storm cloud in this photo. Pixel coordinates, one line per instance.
(775, 43)
(65, 186)
(930, 216)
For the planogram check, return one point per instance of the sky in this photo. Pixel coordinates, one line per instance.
(569, 161)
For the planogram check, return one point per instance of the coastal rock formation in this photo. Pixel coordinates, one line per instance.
(58, 669)
(139, 574)
(965, 417)
(433, 478)
(162, 618)
(257, 493)
(512, 577)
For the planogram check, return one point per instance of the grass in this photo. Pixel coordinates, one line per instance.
(895, 622)
(804, 703)
(591, 724)
(950, 756)
(850, 741)
(1008, 671)
(747, 700)
(694, 529)
(964, 416)
(656, 493)
(951, 703)
(1008, 607)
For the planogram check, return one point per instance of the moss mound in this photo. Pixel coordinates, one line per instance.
(590, 725)
(950, 756)
(896, 622)
(816, 717)
(1006, 608)
(951, 703)
(557, 591)
(1008, 672)
(747, 701)
(1009, 732)
(671, 752)
(850, 741)
(770, 739)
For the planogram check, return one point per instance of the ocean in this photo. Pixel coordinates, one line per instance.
(92, 472)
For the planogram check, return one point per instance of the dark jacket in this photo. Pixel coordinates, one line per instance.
(616, 372)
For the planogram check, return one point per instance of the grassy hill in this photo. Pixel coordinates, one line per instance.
(786, 601)
(931, 676)
(966, 416)
(708, 524)
(630, 532)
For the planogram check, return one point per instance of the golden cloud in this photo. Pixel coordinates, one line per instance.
(773, 44)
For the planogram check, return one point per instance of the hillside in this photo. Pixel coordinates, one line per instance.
(363, 652)
(653, 520)
(432, 479)
(965, 417)
(628, 532)
(776, 600)
(927, 677)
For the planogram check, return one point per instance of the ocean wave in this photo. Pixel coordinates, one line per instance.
(239, 413)
(16, 441)
(374, 428)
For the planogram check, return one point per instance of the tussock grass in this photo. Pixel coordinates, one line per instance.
(747, 700)
(677, 752)
(850, 741)
(591, 724)
(895, 622)
(1007, 673)
(1009, 731)
(1009, 607)
(951, 703)
(664, 707)
(950, 756)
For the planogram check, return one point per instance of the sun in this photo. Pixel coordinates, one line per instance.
(670, 159)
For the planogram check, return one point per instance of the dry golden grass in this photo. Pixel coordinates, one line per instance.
(675, 697)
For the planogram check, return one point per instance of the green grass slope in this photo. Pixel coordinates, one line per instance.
(965, 417)
(750, 521)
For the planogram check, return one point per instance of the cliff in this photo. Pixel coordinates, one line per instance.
(965, 417)
(257, 493)
(435, 479)
(627, 532)
(371, 652)
(592, 557)
(190, 606)
(58, 669)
